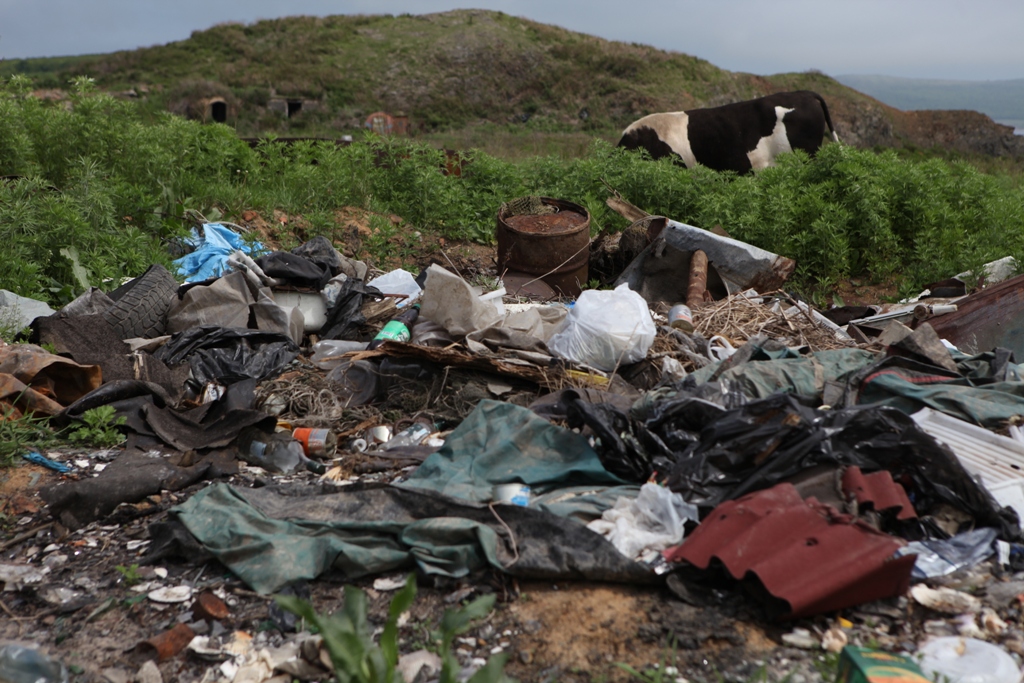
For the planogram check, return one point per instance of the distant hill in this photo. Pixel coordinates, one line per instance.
(1002, 100)
(325, 75)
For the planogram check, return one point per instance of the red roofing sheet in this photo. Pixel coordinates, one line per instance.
(804, 552)
(879, 490)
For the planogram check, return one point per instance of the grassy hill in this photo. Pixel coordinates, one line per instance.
(443, 70)
(467, 78)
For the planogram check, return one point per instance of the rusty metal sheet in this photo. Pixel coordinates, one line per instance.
(805, 553)
(987, 319)
(734, 266)
(879, 490)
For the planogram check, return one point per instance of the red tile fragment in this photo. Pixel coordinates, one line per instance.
(879, 490)
(805, 553)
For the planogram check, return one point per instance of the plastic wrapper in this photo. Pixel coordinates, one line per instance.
(652, 521)
(605, 329)
(942, 557)
(19, 664)
(398, 281)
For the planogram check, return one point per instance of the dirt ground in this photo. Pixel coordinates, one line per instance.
(91, 610)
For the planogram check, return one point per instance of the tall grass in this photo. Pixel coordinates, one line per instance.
(99, 181)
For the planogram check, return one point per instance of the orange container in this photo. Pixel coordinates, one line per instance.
(319, 443)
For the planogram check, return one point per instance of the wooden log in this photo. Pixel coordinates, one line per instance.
(698, 279)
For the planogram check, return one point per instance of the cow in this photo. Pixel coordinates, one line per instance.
(738, 137)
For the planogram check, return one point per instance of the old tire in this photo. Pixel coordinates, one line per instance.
(140, 307)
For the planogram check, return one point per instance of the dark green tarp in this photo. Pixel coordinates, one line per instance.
(438, 522)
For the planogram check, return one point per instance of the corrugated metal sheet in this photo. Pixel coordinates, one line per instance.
(995, 458)
(879, 490)
(804, 553)
(987, 319)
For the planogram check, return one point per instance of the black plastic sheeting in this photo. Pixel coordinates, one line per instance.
(295, 270)
(345, 318)
(711, 454)
(320, 252)
(146, 410)
(228, 354)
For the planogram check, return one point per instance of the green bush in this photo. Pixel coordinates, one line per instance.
(103, 186)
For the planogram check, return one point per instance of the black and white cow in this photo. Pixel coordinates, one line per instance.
(735, 137)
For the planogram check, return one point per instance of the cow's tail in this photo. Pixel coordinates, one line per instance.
(828, 119)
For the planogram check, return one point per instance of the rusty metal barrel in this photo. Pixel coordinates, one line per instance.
(544, 239)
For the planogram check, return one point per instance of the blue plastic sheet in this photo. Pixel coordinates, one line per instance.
(211, 253)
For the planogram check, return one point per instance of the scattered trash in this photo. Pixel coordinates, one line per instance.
(319, 443)
(279, 452)
(398, 283)
(20, 664)
(945, 600)
(512, 494)
(171, 594)
(398, 328)
(169, 643)
(696, 417)
(867, 665)
(652, 521)
(967, 660)
(774, 534)
(38, 459)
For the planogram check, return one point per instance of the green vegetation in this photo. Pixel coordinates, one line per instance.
(20, 434)
(348, 637)
(442, 70)
(129, 574)
(105, 201)
(98, 428)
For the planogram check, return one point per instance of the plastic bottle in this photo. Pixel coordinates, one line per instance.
(20, 664)
(410, 436)
(398, 328)
(327, 354)
(278, 452)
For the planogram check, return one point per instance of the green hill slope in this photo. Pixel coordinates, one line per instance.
(442, 70)
(303, 76)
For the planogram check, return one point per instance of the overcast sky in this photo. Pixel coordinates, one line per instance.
(953, 39)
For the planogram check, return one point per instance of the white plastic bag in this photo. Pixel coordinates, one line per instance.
(652, 521)
(398, 281)
(605, 329)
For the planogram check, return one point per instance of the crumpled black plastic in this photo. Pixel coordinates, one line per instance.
(345, 318)
(295, 270)
(722, 454)
(228, 354)
(320, 251)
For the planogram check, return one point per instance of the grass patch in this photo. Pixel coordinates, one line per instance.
(104, 202)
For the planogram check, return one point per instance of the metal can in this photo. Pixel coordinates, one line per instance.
(681, 317)
(316, 442)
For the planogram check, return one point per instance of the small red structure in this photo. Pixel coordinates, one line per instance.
(383, 123)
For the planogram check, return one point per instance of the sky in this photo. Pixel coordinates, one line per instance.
(944, 39)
